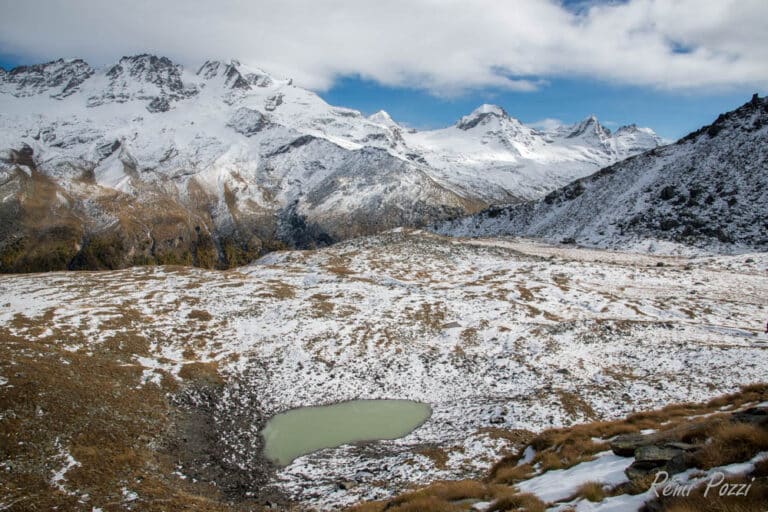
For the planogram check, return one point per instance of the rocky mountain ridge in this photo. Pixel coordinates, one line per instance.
(145, 161)
(706, 192)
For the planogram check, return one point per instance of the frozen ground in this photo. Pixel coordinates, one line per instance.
(495, 334)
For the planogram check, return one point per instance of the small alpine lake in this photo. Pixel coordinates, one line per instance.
(305, 430)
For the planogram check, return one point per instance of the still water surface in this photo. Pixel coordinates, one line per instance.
(308, 429)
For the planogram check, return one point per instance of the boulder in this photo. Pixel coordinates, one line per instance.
(655, 455)
(625, 445)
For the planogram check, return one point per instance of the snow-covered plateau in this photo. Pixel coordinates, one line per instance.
(145, 161)
(497, 335)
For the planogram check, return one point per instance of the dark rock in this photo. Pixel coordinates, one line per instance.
(625, 445)
(248, 122)
(686, 447)
(656, 455)
(159, 104)
(104, 150)
(346, 485)
(668, 192)
(754, 415)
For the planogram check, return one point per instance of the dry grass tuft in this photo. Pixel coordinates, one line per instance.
(591, 491)
(201, 372)
(438, 496)
(199, 314)
(574, 405)
(729, 443)
(437, 455)
(512, 474)
(425, 504)
(518, 502)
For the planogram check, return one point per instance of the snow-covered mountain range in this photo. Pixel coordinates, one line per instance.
(145, 161)
(708, 191)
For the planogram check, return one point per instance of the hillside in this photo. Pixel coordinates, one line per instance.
(706, 192)
(145, 161)
(147, 388)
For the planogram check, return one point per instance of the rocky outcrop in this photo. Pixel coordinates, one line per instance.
(667, 450)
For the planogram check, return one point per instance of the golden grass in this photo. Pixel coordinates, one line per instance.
(512, 474)
(519, 502)
(731, 442)
(590, 491)
(91, 407)
(437, 455)
(425, 504)
(438, 496)
(199, 314)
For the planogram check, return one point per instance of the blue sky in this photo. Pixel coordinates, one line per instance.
(671, 66)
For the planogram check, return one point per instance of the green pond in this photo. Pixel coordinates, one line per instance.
(300, 431)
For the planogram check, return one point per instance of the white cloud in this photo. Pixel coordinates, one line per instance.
(444, 46)
(546, 124)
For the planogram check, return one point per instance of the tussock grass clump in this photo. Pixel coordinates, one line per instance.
(591, 491)
(447, 491)
(437, 455)
(200, 314)
(518, 502)
(512, 474)
(425, 504)
(729, 443)
(634, 487)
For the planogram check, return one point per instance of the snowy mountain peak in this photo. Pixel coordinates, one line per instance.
(232, 78)
(382, 117)
(482, 115)
(590, 126)
(160, 71)
(487, 108)
(58, 78)
(141, 78)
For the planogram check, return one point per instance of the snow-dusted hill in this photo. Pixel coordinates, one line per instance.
(707, 191)
(146, 161)
(497, 336)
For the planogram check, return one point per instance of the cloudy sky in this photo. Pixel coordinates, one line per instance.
(669, 64)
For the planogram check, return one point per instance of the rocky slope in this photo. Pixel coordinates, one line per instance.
(708, 191)
(145, 161)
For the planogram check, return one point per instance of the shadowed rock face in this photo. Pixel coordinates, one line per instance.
(707, 191)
